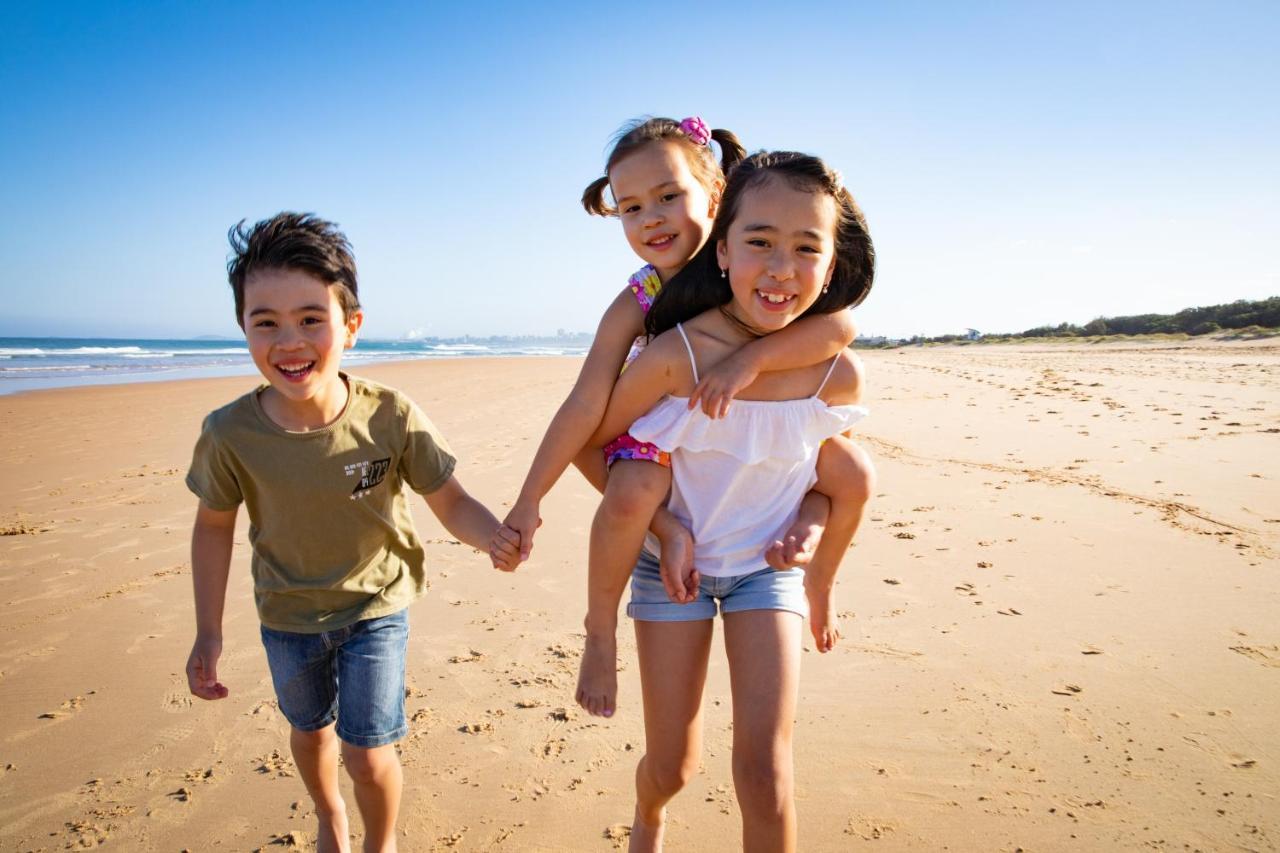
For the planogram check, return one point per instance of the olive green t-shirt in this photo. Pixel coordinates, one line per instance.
(333, 541)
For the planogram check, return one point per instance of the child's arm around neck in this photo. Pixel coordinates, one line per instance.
(807, 341)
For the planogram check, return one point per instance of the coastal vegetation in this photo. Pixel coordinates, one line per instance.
(1233, 320)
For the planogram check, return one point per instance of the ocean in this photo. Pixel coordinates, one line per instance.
(28, 364)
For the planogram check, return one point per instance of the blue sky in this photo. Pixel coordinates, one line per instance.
(1019, 163)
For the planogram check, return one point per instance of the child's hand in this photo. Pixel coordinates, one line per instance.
(679, 577)
(504, 548)
(524, 520)
(722, 383)
(202, 669)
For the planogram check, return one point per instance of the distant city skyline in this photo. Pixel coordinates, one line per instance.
(1019, 164)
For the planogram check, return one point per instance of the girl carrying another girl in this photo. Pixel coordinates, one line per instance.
(666, 186)
(793, 246)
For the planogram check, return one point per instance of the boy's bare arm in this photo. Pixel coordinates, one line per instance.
(469, 520)
(807, 341)
(211, 542)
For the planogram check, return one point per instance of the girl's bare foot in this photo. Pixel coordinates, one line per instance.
(647, 837)
(822, 619)
(334, 834)
(796, 548)
(598, 674)
(675, 564)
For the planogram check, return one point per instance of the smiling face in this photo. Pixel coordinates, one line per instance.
(779, 252)
(666, 212)
(296, 332)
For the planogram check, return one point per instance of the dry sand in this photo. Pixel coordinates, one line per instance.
(1062, 623)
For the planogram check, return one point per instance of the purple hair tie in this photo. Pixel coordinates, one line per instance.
(696, 129)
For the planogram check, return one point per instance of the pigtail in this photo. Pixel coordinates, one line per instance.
(732, 151)
(593, 198)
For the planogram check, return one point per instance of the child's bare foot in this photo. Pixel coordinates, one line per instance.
(334, 834)
(647, 837)
(598, 674)
(675, 563)
(796, 547)
(822, 619)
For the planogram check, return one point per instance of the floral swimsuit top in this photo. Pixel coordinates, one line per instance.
(644, 284)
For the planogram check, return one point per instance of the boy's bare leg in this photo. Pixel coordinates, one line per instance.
(634, 492)
(376, 775)
(847, 477)
(798, 544)
(316, 755)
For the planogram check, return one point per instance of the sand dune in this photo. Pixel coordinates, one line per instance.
(1062, 624)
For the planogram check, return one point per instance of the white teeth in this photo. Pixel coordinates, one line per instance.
(775, 298)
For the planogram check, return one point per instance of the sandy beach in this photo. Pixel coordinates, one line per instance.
(1061, 619)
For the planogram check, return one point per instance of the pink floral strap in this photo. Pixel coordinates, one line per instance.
(645, 284)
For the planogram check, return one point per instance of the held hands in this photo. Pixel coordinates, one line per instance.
(722, 383)
(523, 520)
(202, 668)
(504, 548)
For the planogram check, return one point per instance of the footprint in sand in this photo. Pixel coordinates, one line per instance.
(67, 708)
(1268, 656)
(176, 702)
(617, 835)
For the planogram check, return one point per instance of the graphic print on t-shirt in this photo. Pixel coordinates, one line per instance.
(371, 474)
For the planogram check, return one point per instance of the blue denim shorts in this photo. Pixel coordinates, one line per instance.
(354, 675)
(765, 589)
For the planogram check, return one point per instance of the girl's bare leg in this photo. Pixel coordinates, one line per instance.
(316, 755)
(764, 670)
(673, 671)
(633, 494)
(847, 477)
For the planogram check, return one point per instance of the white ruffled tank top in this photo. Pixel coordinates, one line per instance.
(737, 481)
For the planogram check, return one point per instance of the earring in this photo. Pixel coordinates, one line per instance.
(724, 273)
(825, 288)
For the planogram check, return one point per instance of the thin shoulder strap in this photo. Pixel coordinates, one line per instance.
(830, 370)
(692, 361)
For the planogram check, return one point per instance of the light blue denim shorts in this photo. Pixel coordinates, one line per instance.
(765, 589)
(354, 675)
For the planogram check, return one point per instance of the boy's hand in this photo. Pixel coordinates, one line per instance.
(504, 548)
(722, 383)
(202, 669)
(524, 520)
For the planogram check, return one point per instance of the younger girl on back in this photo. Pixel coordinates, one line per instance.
(793, 245)
(666, 186)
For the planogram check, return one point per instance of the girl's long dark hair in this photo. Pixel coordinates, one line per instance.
(698, 287)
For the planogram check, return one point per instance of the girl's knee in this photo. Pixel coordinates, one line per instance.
(764, 780)
(845, 471)
(635, 489)
(670, 773)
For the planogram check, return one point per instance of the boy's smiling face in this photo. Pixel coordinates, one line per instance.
(296, 332)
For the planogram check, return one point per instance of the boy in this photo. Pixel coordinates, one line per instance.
(320, 458)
